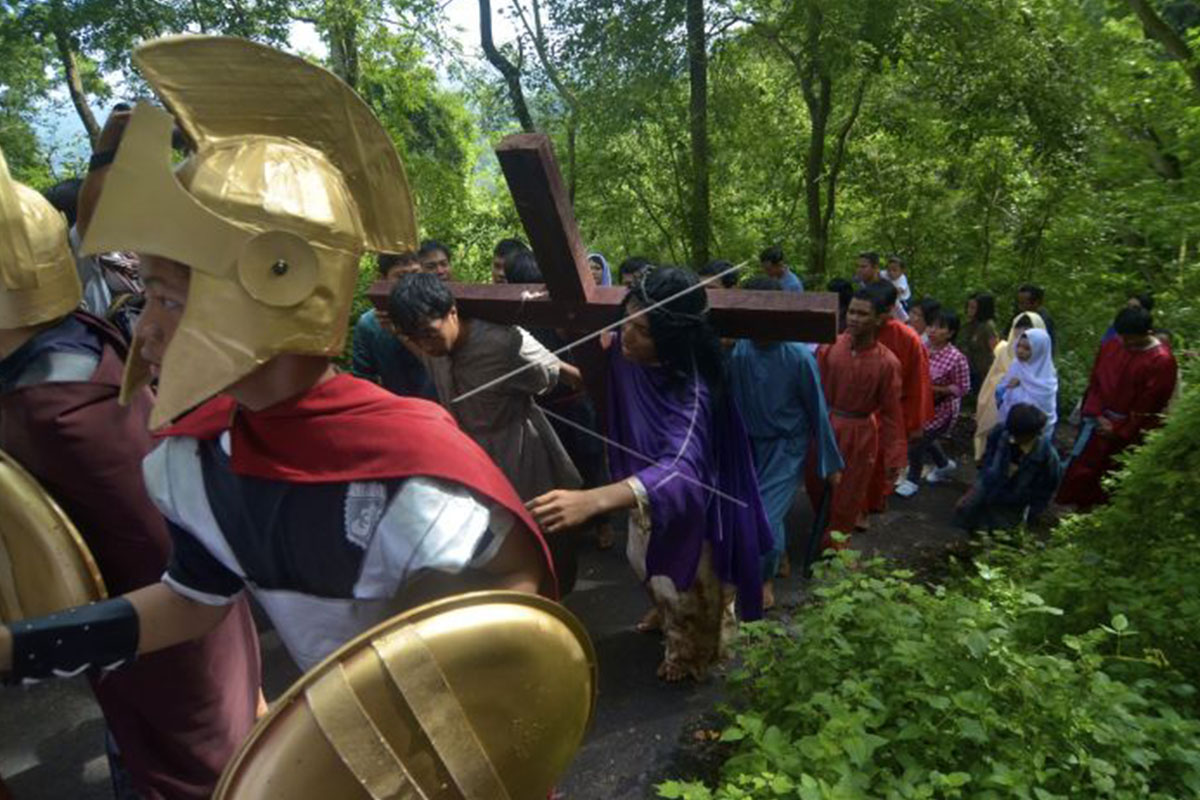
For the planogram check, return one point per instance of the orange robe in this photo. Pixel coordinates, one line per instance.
(916, 397)
(862, 388)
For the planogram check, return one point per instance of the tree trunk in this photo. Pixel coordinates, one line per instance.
(1176, 46)
(342, 36)
(572, 131)
(819, 103)
(512, 75)
(70, 65)
(697, 50)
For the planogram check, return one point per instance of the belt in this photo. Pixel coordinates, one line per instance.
(849, 414)
(1114, 415)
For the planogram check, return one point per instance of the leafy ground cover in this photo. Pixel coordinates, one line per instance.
(1049, 669)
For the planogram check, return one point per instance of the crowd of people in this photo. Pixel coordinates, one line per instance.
(460, 453)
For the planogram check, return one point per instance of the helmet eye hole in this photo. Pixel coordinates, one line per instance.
(278, 268)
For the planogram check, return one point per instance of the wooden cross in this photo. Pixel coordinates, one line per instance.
(570, 299)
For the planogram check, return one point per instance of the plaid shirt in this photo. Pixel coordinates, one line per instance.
(948, 367)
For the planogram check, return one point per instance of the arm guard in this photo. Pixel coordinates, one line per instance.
(99, 636)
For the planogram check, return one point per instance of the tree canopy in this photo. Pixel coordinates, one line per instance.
(989, 143)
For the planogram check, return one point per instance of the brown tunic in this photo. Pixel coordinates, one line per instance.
(178, 715)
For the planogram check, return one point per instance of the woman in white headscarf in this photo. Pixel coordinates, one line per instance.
(986, 410)
(1031, 379)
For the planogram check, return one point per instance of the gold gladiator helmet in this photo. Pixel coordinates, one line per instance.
(44, 564)
(483, 696)
(38, 281)
(292, 179)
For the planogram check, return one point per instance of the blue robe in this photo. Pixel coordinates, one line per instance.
(778, 389)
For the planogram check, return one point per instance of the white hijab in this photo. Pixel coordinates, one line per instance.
(1038, 379)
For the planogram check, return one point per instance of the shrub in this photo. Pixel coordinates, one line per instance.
(885, 688)
(1139, 556)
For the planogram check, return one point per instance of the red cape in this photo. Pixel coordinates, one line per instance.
(347, 429)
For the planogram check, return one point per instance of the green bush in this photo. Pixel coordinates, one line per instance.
(1139, 556)
(885, 688)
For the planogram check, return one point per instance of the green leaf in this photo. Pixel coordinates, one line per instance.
(733, 734)
(1120, 623)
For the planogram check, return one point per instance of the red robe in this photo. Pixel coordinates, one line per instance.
(1130, 388)
(862, 388)
(916, 397)
(348, 429)
(177, 715)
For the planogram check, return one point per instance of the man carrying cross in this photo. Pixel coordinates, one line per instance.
(682, 464)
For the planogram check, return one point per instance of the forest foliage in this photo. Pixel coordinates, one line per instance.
(987, 142)
(1053, 670)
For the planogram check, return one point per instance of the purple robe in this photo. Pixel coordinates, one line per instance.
(681, 448)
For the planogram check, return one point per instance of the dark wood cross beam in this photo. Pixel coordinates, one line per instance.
(570, 299)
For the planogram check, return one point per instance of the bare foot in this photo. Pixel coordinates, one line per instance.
(785, 566)
(650, 623)
(671, 672)
(768, 595)
(605, 539)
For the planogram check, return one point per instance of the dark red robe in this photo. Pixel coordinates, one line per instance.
(1131, 389)
(178, 715)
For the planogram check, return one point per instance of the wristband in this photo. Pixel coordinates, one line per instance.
(101, 159)
(99, 636)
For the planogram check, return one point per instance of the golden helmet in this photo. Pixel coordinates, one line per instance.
(38, 280)
(292, 180)
(45, 566)
(484, 696)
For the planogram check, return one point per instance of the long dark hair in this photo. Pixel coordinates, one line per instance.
(985, 306)
(683, 337)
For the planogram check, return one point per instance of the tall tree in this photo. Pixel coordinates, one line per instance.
(836, 50)
(535, 31)
(510, 72)
(697, 57)
(1172, 41)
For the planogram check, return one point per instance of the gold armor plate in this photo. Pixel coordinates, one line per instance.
(483, 696)
(44, 564)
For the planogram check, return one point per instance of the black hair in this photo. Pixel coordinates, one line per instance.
(683, 337)
(1025, 420)
(64, 196)
(886, 291)
(876, 299)
(892, 257)
(506, 246)
(763, 283)
(1133, 322)
(634, 265)
(430, 246)
(772, 255)
(522, 267)
(871, 256)
(389, 261)
(1145, 300)
(716, 267)
(930, 308)
(844, 290)
(416, 299)
(945, 318)
(985, 306)
(1033, 290)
